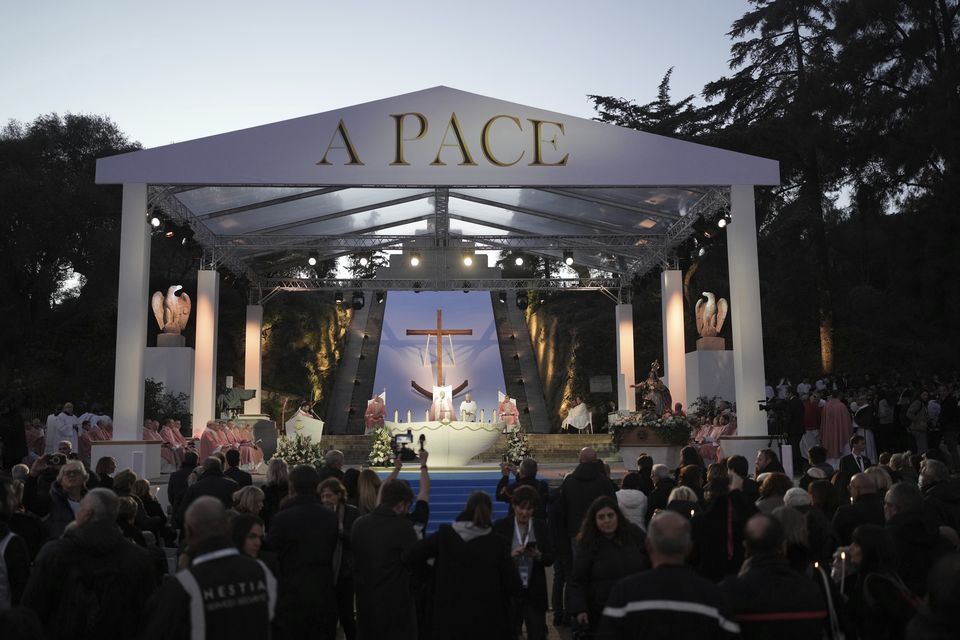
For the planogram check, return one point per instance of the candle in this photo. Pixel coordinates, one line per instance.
(843, 570)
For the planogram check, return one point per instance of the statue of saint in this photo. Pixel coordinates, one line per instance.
(656, 399)
(468, 409)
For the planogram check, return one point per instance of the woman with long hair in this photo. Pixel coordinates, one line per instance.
(718, 529)
(333, 495)
(274, 489)
(475, 576)
(247, 534)
(368, 488)
(249, 499)
(609, 547)
(106, 467)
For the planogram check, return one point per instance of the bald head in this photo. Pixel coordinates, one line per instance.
(206, 518)
(588, 454)
(668, 538)
(763, 534)
(862, 484)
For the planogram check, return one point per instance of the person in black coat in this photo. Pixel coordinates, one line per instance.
(476, 580)
(866, 508)
(768, 598)
(304, 534)
(385, 604)
(531, 550)
(16, 554)
(526, 476)
(718, 529)
(233, 470)
(663, 484)
(584, 485)
(941, 493)
(855, 461)
(333, 495)
(179, 480)
(609, 548)
(211, 483)
(916, 535)
(739, 465)
(12, 434)
(767, 462)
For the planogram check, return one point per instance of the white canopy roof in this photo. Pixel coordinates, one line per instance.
(439, 162)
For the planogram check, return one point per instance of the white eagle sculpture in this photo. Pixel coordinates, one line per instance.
(171, 311)
(710, 315)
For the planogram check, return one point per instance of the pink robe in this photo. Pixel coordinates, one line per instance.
(36, 440)
(835, 427)
(166, 453)
(209, 442)
(374, 415)
(249, 452)
(508, 413)
(166, 434)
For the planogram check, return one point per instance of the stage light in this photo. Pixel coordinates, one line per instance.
(702, 252)
(467, 259)
(183, 242)
(502, 296)
(522, 300)
(312, 259)
(380, 297)
(358, 300)
(568, 258)
(518, 261)
(154, 222)
(363, 261)
(338, 297)
(724, 220)
(414, 258)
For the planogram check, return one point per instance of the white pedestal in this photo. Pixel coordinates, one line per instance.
(710, 373)
(173, 366)
(143, 457)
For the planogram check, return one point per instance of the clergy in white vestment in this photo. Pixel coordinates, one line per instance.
(442, 406)
(68, 427)
(578, 417)
(468, 410)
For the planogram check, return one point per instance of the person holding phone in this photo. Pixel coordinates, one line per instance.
(532, 551)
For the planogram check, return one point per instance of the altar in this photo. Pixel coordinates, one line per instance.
(450, 445)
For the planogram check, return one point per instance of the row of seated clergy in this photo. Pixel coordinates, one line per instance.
(37, 438)
(707, 435)
(442, 409)
(220, 436)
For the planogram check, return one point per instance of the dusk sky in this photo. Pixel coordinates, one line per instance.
(177, 70)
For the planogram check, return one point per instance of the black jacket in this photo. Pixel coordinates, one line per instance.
(60, 515)
(866, 509)
(330, 472)
(475, 580)
(597, 567)
(89, 563)
(273, 495)
(578, 491)
(16, 557)
(218, 580)
(536, 592)
(943, 501)
(659, 496)
(241, 477)
(211, 483)
(177, 485)
(505, 490)
(385, 605)
(919, 544)
(715, 555)
(667, 602)
(848, 465)
(770, 600)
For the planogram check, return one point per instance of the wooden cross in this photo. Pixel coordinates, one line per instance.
(439, 332)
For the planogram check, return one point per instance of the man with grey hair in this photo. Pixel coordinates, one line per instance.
(526, 476)
(663, 484)
(223, 594)
(866, 507)
(332, 465)
(92, 562)
(941, 494)
(916, 535)
(670, 600)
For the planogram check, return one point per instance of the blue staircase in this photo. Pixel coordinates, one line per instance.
(449, 491)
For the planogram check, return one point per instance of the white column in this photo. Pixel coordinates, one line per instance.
(626, 396)
(252, 358)
(674, 346)
(745, 322)
(132, 303)
(205, 364)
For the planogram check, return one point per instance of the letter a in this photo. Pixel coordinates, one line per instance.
(460, 144)
(347, 145)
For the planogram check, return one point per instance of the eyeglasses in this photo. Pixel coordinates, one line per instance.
(73, 473)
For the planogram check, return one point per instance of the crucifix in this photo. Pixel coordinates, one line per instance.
(439, 332)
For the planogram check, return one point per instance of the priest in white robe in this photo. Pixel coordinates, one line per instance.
(442, 407)
(468, 410)
(578, 417)
(68, 427)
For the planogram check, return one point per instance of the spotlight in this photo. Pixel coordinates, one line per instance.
(312, 260)
(467, 259)
(169, 231)
(702, 252)
(502, 297)
(363, 261)
(518, 261)
(338, 297)
(522, 300)
(154, 222)
(568, 258)
(358, 300)
(724, 220)
(380, 297)
(414, 258)
(183, 242)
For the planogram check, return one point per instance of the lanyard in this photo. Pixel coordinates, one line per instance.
(522, 541)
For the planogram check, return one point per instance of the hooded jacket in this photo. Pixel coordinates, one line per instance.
(633, 503)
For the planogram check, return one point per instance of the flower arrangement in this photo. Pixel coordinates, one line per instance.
(672, 430)
(300, 450)
(518, 446)
(381, 451)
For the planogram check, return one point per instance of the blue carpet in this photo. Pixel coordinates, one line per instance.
(449, 491)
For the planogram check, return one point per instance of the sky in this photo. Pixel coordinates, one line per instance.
(172, 71)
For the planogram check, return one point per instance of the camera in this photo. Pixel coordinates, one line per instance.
(56, 460)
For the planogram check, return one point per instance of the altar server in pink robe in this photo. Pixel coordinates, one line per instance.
(248, 445)
(169, 435)
(835, 427)
(209, 440)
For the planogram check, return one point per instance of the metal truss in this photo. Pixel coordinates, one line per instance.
(444, 284)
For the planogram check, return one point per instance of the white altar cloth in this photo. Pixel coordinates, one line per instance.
(450, 445)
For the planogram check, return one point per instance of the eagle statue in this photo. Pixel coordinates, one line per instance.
(171, 311)
(710, 315)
